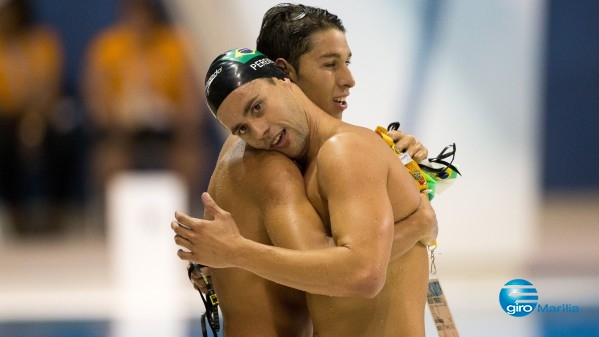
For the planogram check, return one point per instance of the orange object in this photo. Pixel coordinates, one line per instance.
(406, 159)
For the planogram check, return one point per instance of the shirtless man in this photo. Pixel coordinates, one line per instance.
(319, 65)
(358, 186)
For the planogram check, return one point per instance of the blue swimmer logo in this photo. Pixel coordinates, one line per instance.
(518, 298)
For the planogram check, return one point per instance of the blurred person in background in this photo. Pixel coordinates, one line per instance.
(143, 100)
(31, 64)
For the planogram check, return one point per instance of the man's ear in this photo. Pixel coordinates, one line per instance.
(287, 68)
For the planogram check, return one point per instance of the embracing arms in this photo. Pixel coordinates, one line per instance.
(362, 227)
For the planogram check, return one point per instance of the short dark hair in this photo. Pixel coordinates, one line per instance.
(287, 29)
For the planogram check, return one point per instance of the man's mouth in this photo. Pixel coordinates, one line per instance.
(278, 139)
(341, 101)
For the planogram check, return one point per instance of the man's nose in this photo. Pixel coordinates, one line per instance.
(346, 79)
(259, 128)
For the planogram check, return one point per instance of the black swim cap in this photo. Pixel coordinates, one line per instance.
(233, 69)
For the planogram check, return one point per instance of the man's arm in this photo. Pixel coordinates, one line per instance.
(293, 223)
(289, 218)
(420, 227)
(217, 243)
(361, 222)
(289, 204)
(287, 215)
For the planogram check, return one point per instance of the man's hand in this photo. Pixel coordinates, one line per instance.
(212, 243)
(408, 143)
(420, 227)
(427, 219)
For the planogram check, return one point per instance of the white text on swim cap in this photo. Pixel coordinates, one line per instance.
(213, 76)
(261, 63)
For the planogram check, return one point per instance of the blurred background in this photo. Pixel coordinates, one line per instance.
(104, 133)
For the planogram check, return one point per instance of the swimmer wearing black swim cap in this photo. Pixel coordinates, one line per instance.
(233, 69)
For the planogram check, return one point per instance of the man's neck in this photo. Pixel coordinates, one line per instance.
(322, 127)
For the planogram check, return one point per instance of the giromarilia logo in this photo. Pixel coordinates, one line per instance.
(518, 298)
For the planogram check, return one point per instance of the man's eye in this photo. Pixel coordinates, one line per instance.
(242, 130)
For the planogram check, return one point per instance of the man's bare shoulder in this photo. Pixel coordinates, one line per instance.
(235, 155)
(353, 143)
(259, 171)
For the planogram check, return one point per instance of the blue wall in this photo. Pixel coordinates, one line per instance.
(571, 96)
(77, 22)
